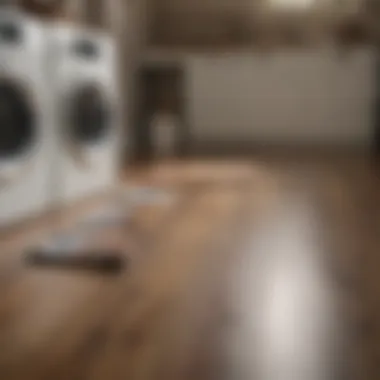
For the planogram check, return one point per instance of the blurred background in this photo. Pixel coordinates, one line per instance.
(221, 156)
(232, 75)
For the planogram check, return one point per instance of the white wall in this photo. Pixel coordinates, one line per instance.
(284, 97)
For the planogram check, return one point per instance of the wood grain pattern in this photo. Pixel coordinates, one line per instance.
(194, 303)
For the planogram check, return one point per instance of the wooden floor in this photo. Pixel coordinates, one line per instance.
(263, 269)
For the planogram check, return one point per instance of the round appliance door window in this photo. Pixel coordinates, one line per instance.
(17, 121)
(88, 116)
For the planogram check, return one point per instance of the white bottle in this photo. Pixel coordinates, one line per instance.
(164, 134)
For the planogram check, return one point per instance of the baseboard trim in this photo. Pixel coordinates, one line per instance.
(249, 148)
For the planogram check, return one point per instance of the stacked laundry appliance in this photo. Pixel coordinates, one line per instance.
(59, 127)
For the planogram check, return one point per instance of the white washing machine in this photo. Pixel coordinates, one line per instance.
(25, 119)
(87, 123)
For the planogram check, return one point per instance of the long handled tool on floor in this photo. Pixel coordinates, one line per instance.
(79, 248)
(75, 250)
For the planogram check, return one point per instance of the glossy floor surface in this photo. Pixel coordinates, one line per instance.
(264, 269)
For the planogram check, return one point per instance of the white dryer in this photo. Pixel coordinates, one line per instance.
(87, 123)
(25, 129)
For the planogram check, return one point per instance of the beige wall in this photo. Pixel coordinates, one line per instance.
(297, 96)
(132, 36)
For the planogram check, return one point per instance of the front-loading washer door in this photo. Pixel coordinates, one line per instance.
(88, 122)
(18, 129)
